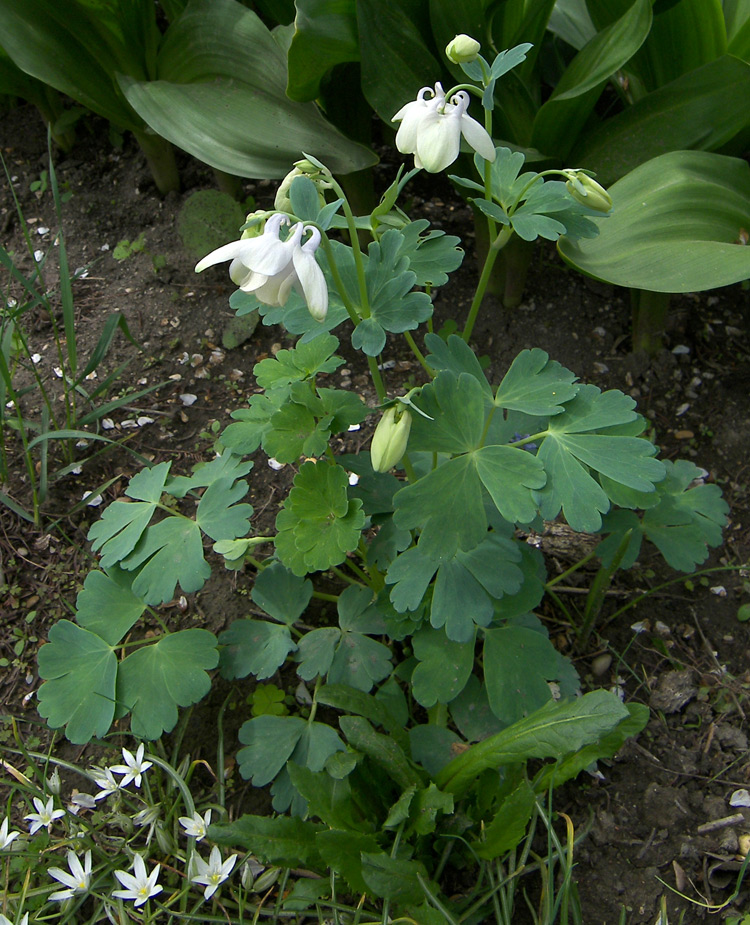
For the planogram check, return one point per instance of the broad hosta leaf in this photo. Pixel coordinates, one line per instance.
(702, 109)
(560, 119)
(573, 446)
(444, 667)
(558, 728)
(318, 524)
(107, 606)
(79, 669)
(281, 840)
(156, 679)
(228, 106)
(325, 34)
(122, 523)
(674, 227)
(253, 647)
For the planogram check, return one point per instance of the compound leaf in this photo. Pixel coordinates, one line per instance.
(432, 256)
(107, 606)
(282, 594)
(79, 670)
(318, 523)
(536, 385)
(156, 679)
(304, 361)
(254, 647)
(219, 515)
(172, 551)
(444, 667)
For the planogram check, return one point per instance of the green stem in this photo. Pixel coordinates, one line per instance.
(494, 249)
(377, 379)
(573, 568)
(418, 354)
(160, 159)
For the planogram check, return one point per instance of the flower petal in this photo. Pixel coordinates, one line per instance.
(439, 140)
(477, 137)
(313, 283)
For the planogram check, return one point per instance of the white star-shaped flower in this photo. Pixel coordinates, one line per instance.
(6, 837)
(138, 886)
(105, 781)
(211, 873)
(196, 825)
(133, 768)
(44, 816)
(77, 881)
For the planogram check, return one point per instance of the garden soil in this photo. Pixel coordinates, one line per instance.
(653, 822)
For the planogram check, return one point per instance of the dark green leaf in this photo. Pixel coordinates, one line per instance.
(252, 647)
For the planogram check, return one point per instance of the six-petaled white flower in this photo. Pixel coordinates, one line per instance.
(6, 837)
(133, 768)
(269, 267)
(432, 126)
(22, 921)
(138, 886)
(196, 825)
(106, 782)
(77, 881)
(213, 872)
(44, 816)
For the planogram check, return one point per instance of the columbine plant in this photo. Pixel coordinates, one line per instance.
(425, 638)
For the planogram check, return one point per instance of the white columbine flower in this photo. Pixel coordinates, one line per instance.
(431, 129)
(269, 267)
(196, 825)
(133, 768)
(138, 886)
(45, 815)
(6, 837)
(77, 881)
(210, 874)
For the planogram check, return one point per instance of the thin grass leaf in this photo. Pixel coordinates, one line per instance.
(116, 321)
(116, 403)
(66, 290)
(16, 508)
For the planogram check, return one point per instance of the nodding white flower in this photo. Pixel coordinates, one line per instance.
(133, 768)
(196, 825)
(77, 881)
(6, 837)
(431, 129)
(269, 267)
(44, 816)
(211, 873)
(138, 886)
(106, 782)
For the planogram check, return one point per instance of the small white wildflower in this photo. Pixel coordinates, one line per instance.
(213, 872)
(77, 881)
(196, 825)
(81, 801)
(44, 816)
(105, 780)
(23, 921)
(53, 782)
(133, 768)
(138, 886)
(6, 837)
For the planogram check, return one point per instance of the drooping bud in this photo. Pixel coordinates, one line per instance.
(587, 191)
(258, 225)
(390, 438)
(462, 49)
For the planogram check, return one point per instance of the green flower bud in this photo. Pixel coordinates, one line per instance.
(462, 49)
(587, 191)
(390, 438)
(254, 230)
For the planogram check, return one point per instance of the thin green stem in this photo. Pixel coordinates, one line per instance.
(569, 571)
(492, 252)
(377, 379)
(418, 354)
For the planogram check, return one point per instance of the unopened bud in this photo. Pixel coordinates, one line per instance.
(390, 438)
(257, 228)
(462, 49)
(587, 191)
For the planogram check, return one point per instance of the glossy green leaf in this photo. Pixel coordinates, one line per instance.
(156, 679)
(325, 34)
(562, 116)
(79, 670)
(674, 226)
(396, 61)
(221, 96)
(558, 728)
(702, 109)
